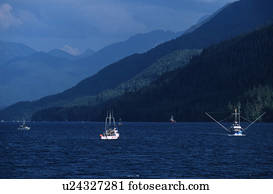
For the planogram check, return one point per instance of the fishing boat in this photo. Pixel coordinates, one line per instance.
(23, 126)
(235, 129)
(111, 131)
(236, 126)
(172, 119)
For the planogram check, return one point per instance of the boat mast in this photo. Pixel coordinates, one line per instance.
(109, 120)
(239, 116)
(114, 122)
(235, 115)
(106, 121)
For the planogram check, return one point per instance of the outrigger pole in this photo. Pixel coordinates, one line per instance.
(254, 121)
(217, 122)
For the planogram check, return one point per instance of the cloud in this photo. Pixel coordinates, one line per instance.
(71, 50)
(7, 19)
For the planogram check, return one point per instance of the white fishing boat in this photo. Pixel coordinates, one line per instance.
(236, 129)
(111, 131)
(23, 126)
(236, 126)
(172, 119)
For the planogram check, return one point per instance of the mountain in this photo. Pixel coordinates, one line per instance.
(138, 43)
(239, 71)
(25, 72)
(167, 63)
(10, 50)
(234, 19)
(170, 62)
(234, 72)
(37, 75)
(204, 20)
(61, 54)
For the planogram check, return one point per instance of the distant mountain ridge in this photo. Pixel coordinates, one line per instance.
(136, 44)
(24, 69)
(204, 20)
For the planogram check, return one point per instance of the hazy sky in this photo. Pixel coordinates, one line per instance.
(79, 24)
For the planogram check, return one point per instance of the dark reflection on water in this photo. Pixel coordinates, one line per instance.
(144, 150)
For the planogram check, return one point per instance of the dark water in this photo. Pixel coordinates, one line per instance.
(144, 150)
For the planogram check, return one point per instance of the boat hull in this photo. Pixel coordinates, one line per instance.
(237, 135)
(24, 128)
(109, 137)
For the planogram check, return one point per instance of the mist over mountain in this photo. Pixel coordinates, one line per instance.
(29, 75)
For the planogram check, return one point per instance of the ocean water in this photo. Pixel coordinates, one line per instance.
(144, 150)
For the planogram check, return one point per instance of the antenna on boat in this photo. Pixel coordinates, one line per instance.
(254, 121)
(237, 116)
(106, 120)
(217, 122)
(114, 122)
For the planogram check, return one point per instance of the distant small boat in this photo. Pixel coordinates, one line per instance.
(172, 119)
(235, 129)
(111, 131)
(24, 126)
